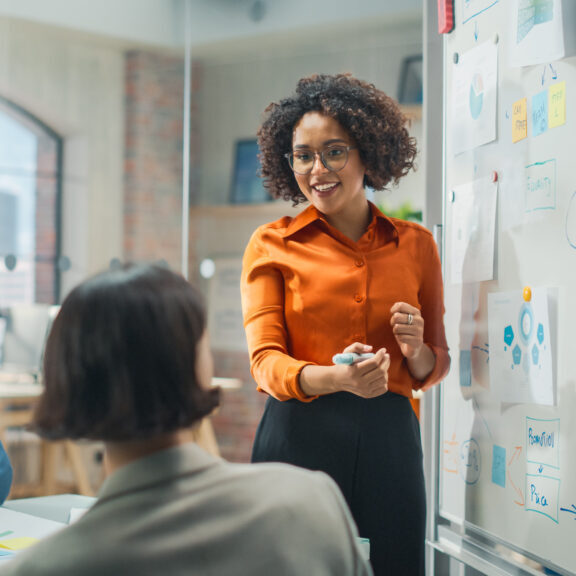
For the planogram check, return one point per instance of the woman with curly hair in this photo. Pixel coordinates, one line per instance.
(342, 277)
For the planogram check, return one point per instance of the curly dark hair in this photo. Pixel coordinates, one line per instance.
(372, 119)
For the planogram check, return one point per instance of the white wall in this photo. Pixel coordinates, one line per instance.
(161, 22)
(224, 20)
(147, 21)
(237, 88)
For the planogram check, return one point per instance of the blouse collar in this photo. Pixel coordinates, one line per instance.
(310, 215)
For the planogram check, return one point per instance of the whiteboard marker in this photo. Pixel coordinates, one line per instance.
(350, 358)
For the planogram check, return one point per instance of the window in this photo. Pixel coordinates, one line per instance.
(30, 200)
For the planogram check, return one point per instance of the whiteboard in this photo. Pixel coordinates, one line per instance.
(508, 407)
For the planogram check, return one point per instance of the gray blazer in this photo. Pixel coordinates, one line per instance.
(184, 512)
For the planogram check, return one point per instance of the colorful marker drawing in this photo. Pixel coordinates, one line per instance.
(540, 193)
(571, 510)
(514, 458)
(450, 460)
(472, 8)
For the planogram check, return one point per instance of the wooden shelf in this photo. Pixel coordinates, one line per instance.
(413, 111)
(277, 208)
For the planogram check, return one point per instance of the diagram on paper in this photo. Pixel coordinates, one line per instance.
(536, 31)
(533, 13)
(474, 97)
(520, 347)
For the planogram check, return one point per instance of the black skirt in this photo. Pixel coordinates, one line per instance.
(372, 449)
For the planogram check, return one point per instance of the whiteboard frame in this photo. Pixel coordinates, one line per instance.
(449, 537)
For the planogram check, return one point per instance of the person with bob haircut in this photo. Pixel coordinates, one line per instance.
(128, 362)
(343, 278)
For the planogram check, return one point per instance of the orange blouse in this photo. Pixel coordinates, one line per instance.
(308, 291)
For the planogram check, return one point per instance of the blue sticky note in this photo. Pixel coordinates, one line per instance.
(465, 368)
(499, 465)
(6, 552)
(539, 113)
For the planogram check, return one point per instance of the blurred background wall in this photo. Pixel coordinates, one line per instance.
(92, 136)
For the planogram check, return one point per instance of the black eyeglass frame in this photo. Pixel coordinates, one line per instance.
(290, 157)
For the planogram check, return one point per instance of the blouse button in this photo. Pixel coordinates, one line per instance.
(359, 262)
(358, 297)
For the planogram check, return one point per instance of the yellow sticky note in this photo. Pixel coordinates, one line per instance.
(519, 120)
(557, 105)
(17, 543)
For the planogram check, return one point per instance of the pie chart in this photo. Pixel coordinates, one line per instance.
(476, 95)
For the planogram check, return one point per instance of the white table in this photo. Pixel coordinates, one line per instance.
(21, 525)
(56, 508)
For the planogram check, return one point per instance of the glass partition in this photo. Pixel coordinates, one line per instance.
(91, 175)
(30, 186)
(93, 110)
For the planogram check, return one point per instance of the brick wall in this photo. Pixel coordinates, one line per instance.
(152, 212)
(153, 157)
(236, 420)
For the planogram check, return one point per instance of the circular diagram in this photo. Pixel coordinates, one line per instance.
(476, 95)
(526, 322)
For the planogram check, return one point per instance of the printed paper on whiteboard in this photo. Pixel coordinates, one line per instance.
(473, 228)
(519, 333)
(474, 91)
(537, 34)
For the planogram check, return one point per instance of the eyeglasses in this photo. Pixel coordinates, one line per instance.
(333, 158)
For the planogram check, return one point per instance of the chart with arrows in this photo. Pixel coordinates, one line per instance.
(520, 347)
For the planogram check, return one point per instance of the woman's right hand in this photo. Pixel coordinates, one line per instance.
(367, 378)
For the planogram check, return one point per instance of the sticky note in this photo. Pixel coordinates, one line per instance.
(499, 465)
(539, 113)
(519, 120)
(557, 105)
(465, 368)
(17, 543)
(6, 552)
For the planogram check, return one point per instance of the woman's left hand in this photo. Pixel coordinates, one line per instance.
(408, 328)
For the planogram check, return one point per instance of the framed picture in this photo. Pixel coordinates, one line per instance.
(410, 86)
(247, 186)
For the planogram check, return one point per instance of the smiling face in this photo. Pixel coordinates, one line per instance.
(332, 193)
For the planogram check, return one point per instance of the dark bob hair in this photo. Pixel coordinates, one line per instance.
(120, 360)
(372, 119)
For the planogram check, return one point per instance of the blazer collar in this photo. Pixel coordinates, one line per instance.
(182, 460)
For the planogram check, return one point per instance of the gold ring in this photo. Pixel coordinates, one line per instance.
(410, 319)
